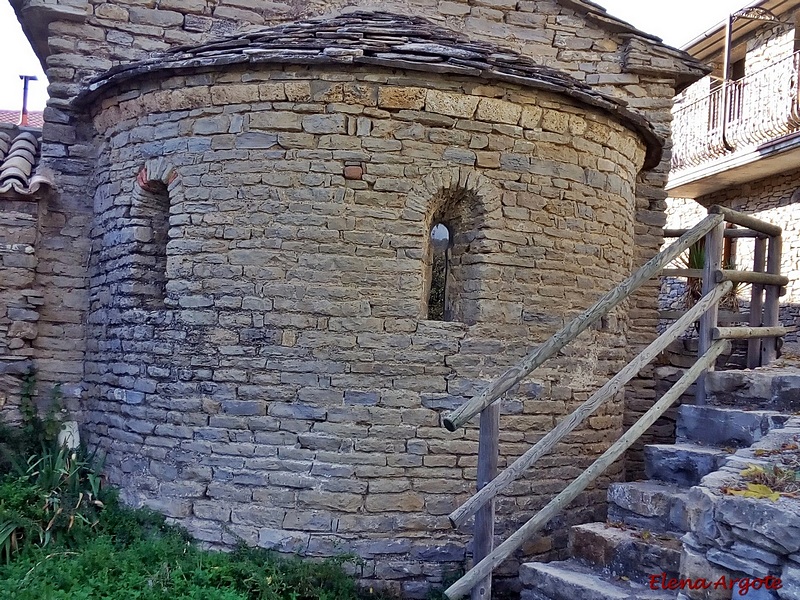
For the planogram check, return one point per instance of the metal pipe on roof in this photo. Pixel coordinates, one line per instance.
(23, 117)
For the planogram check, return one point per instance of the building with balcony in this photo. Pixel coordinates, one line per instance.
(736, 135)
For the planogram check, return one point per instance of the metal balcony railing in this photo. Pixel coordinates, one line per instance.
(757, 109)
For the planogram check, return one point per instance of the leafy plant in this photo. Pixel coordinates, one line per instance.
(695, 259)
(37, 431)
(64, 537)
(47, 492)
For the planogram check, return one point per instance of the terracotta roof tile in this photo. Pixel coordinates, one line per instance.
(385, 40)
(35, 118)
(19, 159)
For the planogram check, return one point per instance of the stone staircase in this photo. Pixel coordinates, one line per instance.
(646, 519)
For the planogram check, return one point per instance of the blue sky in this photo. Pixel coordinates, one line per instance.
(677, 22)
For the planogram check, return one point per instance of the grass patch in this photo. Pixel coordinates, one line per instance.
(134, 554)
(64, 537)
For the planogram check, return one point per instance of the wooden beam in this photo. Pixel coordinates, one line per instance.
(694, 273)
(461, 587)
(488, 452)
(748, 333)
(750, 277)
(578, 325)
(513, 472)
(756, 304)
(748, 221)
(769, 347)
(724, 317)
(713, 262)
(729, 233)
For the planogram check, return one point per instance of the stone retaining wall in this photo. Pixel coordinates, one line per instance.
(733, 537)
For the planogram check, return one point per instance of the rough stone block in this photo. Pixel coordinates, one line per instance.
(401, 97)
(320, 124)
(499, 111)
(450, 104)
(279, 121)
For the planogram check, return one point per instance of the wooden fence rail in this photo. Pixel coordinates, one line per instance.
(568, 424)
(763, 332)
(578, 325)
(519, 537)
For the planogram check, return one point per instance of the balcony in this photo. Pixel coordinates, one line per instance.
(718, 139)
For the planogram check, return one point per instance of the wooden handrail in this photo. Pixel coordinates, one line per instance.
(756, 303)
(614, 385)
(750, 277)
(745, 220)
(578, 325)
(694, 273)
(769, 347)
(504, 550)
(713, 342)
(713, 249)
(729, 233)
(725, 317)
(749, 333)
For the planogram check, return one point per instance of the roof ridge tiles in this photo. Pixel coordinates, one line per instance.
(20, 174)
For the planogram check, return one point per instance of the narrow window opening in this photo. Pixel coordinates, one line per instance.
(151, 211)
(441, 238)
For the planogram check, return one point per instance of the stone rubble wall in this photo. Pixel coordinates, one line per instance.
(87, 38)
(290, 391)
(733, 537)
(20, 298)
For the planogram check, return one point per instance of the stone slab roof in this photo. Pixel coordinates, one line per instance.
(19, 159)
(381, 39)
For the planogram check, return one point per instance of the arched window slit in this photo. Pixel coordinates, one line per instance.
(441, 239)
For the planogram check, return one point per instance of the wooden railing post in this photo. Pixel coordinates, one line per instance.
(479, 572)
(769, 347)
(511, 377)
(757, 303)
(713, 263)
(568, 424)
(488, 452)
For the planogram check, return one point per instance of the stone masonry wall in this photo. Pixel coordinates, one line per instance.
(87, 38)
(290, 391)
(20, 300)
(774, 200)
(754, 541)
(770, 44)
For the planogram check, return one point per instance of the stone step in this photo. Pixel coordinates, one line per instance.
(655, 506)
(626, 552)
(725, 427)
(685, 464)
(572, 580)
(776, 388)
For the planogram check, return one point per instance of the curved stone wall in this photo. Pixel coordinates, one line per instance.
(274, 377)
